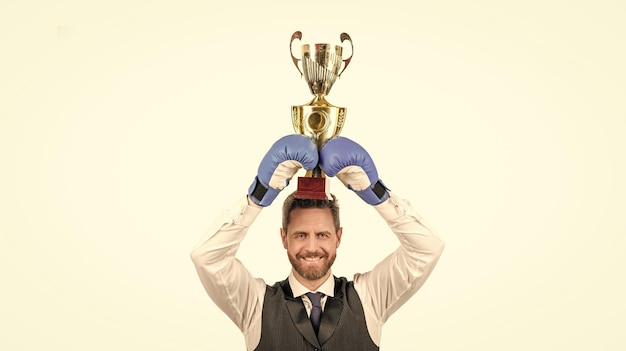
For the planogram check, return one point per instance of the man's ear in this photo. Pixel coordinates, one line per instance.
(339, 233)
(283, 237)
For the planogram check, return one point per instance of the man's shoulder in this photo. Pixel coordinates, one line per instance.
(277, 284)
(280, 287)
(343, 285)
(342, 282)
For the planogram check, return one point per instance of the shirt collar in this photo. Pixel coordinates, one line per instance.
(327, 288)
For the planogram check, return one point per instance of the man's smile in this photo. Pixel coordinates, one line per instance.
(312, 259)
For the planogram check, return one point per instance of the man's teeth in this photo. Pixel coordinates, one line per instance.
(312, 259)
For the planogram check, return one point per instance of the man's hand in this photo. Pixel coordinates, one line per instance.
(355, 168)
(280, 164)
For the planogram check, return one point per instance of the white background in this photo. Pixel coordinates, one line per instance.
(125, 126)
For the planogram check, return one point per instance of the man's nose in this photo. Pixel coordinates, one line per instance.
(312, 243)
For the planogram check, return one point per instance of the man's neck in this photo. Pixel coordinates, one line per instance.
(314, 285)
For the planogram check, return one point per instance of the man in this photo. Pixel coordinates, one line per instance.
(286, 315)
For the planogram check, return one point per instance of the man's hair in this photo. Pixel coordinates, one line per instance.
(291, 203)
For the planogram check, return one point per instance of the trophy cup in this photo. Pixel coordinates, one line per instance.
(319, 120)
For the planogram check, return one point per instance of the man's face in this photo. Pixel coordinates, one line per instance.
(311, 242)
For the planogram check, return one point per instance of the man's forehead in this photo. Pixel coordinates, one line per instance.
(311, 216)
(310, 212)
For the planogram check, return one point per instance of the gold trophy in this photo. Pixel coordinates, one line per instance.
(319, 120)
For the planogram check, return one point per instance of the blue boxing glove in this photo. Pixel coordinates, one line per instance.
(280, 164)
(355, 168)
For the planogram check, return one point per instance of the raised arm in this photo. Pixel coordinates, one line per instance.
(225, 279)
(394, 280)
(229, 284)
(398, 277)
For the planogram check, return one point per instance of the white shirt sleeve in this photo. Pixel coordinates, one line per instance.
(398, 277)
(229, 284)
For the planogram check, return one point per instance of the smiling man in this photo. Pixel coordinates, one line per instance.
(311, 237)
(313, 309)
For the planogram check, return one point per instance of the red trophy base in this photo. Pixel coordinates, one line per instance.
(313, 188)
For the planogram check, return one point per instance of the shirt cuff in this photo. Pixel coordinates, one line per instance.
(240, 213)
(394, 208)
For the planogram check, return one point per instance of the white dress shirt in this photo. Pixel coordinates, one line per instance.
(382, 290)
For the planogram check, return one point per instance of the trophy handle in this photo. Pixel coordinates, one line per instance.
(294, 36)
(343, 37)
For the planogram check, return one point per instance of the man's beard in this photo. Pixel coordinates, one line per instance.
(312, 273)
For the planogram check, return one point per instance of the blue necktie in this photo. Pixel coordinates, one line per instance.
(316, 311)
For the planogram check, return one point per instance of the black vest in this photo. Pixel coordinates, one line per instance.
(286, 326)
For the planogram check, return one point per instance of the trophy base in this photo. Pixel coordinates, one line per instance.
(313, 188)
